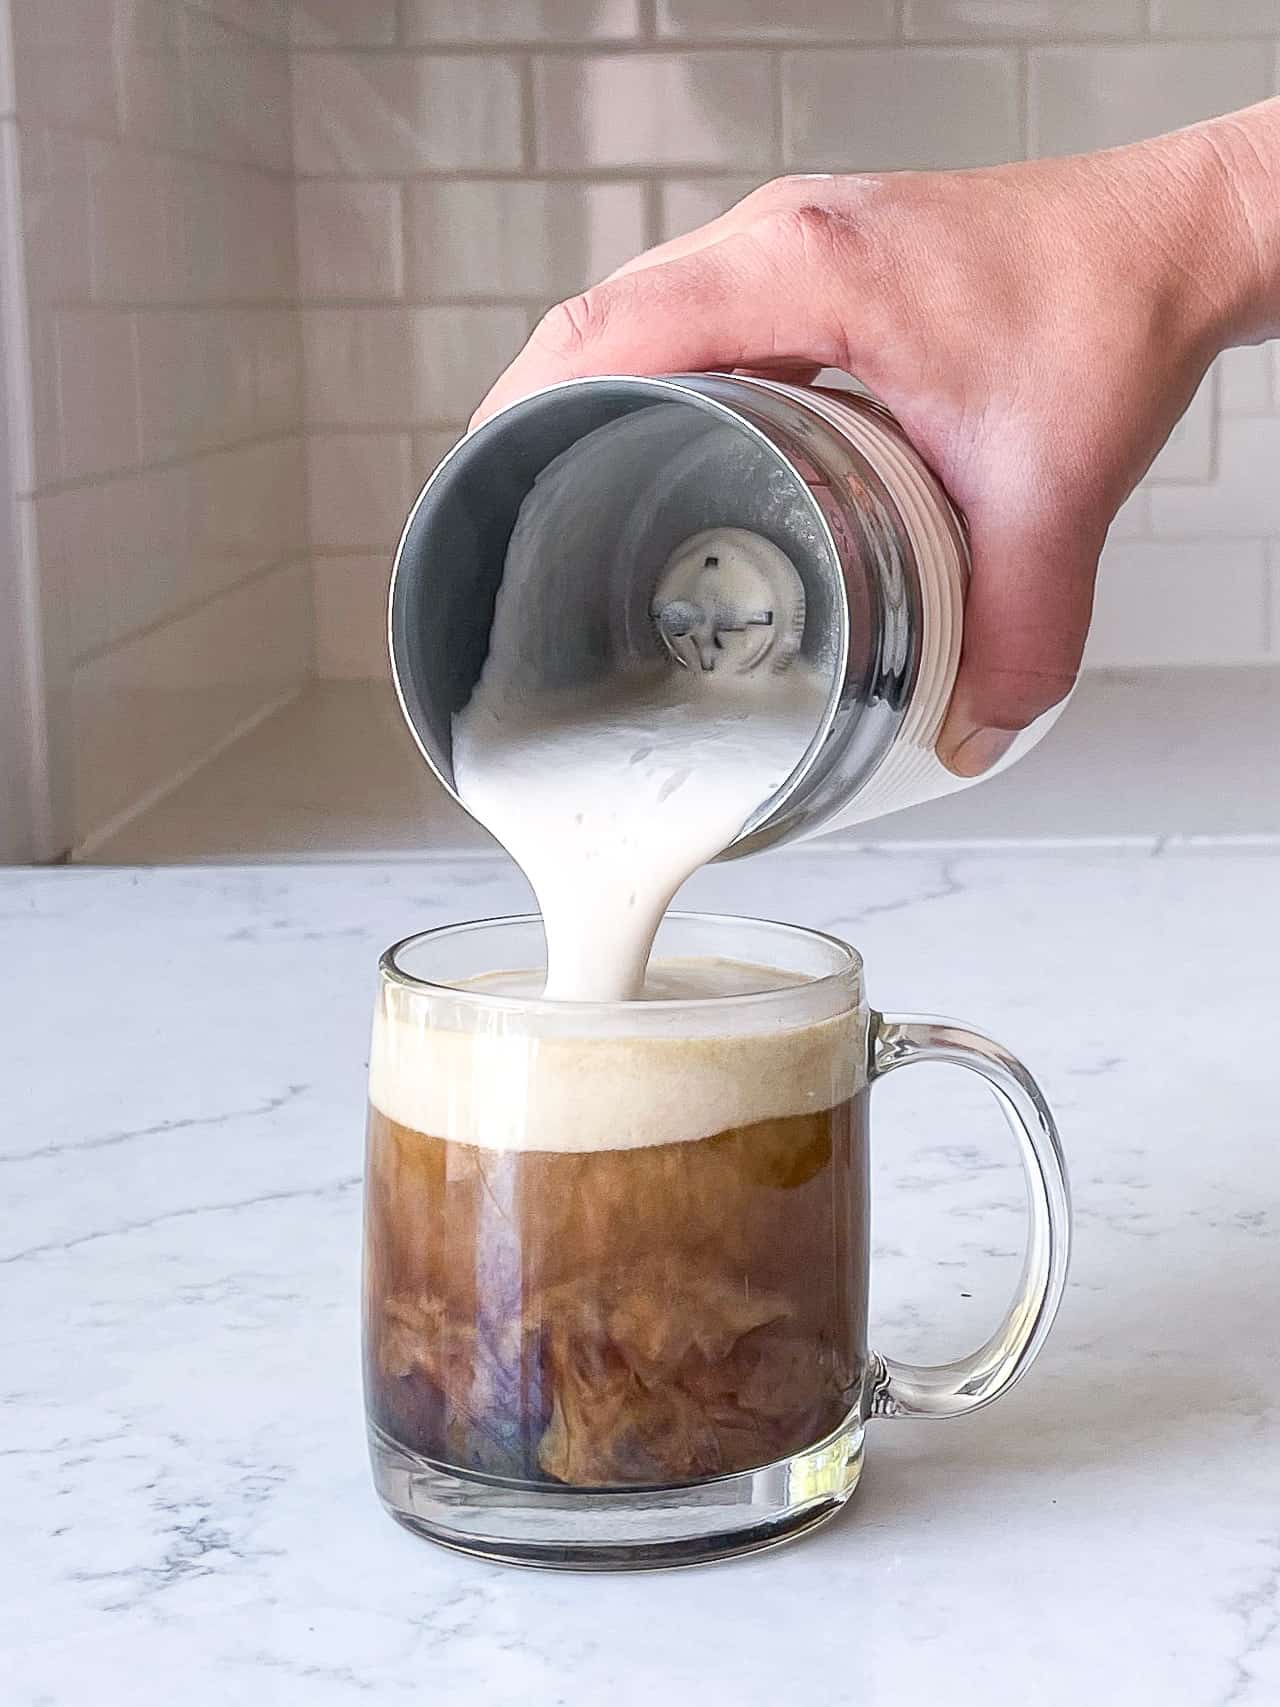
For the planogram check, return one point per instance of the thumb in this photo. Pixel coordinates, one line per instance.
(1026, 618)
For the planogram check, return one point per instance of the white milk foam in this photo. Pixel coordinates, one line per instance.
(523, 1092)
(609, 801)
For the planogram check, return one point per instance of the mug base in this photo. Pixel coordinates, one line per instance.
(631, 1529)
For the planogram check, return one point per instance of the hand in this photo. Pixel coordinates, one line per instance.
(1037, 329)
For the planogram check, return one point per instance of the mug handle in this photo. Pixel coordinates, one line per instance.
(951, 1389)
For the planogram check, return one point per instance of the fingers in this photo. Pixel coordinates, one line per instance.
(1026, 618)
(732, 303)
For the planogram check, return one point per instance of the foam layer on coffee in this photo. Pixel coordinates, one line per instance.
(510, 1091)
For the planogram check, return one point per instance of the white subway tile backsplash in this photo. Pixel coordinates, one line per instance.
(149, 568)
(275, 338)
(136, 215)
(44, 462)
(340, 23)
(237, 237)
(266, 19)
(1188, 452)
(379, 114)
(431, 21)
(1244, 499)
(139, 549)
(1214, 17)
(1021, 20)
(150, 80)
(126, 109)
(8, 91)
(238, 94)
(78, 553)
(361, 486)
(662, 109)
(350, 240)
(766, 20)
(97, 391)
(351, 617)
(197, 380)
(262, 232)
(1244, 380)
(686, 203)
(527, 238)
(247, 509)
(1101, 96)
(151, 709)
(849, 110)
(121, 550)
(393, 367)
(64, 69)
(55, 215)
(1196, 603)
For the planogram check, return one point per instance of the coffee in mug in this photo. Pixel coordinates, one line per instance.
(624, 1262)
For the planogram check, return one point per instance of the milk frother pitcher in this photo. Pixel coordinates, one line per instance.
(702, 522)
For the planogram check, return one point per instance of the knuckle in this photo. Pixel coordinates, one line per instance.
(568, 331)
(809, 241)
(809, 227)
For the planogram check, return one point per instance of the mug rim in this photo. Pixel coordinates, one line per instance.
(848, 974)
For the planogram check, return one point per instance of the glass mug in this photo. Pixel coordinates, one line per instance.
(616, 1254)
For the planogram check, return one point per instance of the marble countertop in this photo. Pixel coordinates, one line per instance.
(188, 1515)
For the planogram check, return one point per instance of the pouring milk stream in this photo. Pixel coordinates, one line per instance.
(608, 799)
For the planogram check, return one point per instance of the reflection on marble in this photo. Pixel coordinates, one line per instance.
(188, 1514)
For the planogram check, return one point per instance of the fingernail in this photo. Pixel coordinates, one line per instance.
(975, 753)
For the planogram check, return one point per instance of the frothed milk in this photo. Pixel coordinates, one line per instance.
(608, 798)
(508, 1091)
(608, 804)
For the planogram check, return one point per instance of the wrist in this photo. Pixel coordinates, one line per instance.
(1226, 176)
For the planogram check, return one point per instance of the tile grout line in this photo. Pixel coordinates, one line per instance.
(641, 46)
(653, 212)
(528, 115)
(279, 43)
(135, 357)
(193, 607)
(83, 850)
(161, 465)
(155, 151)
(585, 175)
(778, 102)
